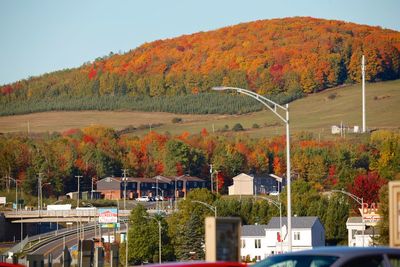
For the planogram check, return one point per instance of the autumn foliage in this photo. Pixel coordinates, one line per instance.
(290, 56)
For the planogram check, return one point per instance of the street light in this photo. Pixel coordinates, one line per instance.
(159, 236)
(125, 182)
(271, 105)
(157, 197)
(277, 204)
(359, 200)
(213, 208)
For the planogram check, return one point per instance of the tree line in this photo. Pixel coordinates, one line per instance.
(208, 103)
(97, 151)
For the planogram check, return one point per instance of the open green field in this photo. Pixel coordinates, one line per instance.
(315, 113)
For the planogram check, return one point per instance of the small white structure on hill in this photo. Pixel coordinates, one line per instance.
(243, 184)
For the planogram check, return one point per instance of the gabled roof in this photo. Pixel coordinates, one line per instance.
(254, 230)
(297, 222)
(188, 178)
(354, 220)
(164, 179)
(242, 177)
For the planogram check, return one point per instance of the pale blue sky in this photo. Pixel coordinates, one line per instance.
(39, 36)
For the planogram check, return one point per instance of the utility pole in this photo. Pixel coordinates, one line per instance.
(91, 192)
(39, 191)
(125, 170)
(211, 178)
(363, 93)
(77, 202)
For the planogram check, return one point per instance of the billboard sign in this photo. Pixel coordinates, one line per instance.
(108, 215)
(2, 200)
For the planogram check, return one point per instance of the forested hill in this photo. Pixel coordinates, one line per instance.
(289, 57)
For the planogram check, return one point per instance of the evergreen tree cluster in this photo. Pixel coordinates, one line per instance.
(207, 103)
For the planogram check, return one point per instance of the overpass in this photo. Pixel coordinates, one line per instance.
(57, 216)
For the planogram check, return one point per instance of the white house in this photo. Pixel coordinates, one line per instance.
(360, 234)
(307, 233)
(261, 241)
(253, 242)
(242, 185)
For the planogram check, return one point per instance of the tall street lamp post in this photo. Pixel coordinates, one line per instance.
(274, 107)
(159, 236)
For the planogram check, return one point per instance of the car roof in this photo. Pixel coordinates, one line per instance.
(344, 251)
(201, 264)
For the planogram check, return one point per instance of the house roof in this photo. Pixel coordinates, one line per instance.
(297, 222)
(354, 220)
(242, 177)
(189, 178)
(254, 230)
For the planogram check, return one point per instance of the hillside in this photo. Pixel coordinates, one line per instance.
(315, 113)
(289, 57)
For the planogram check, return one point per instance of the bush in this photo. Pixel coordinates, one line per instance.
(255, 126)
(176, 120)
(237, 127)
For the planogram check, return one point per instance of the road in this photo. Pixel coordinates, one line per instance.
(56, 247)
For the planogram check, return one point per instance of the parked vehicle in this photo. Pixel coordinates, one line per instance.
(159, 198)
(336, 257)
(200, 264)
(143, 199)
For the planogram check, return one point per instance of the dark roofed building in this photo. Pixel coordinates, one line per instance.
(113, 187)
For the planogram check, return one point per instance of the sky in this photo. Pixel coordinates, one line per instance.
(41, 36)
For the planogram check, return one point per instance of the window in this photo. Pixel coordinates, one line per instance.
(353, 233)
(296, 235)
(243, 243)
(394, 260)
(195, 184)
(257, 243)
(367, 261)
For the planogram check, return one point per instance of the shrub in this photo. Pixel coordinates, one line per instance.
(176, 120)
(237, 127)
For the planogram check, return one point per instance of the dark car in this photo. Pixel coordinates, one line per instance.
(336, 256)
(201, 264)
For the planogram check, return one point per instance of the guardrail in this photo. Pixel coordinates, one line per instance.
(57, 213)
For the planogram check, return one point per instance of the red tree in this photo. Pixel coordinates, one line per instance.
(367, 186)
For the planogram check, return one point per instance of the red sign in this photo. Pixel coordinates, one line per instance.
(108, 215)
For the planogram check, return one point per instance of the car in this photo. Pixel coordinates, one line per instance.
(336, 257)
(274, 193)
(200, 264)
(159, 198)
(143, 199)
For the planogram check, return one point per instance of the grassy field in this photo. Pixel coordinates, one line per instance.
(315, 113)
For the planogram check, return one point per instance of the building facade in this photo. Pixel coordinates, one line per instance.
(244, 184)
(114, 187)
(360, 234)
(261, 241)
